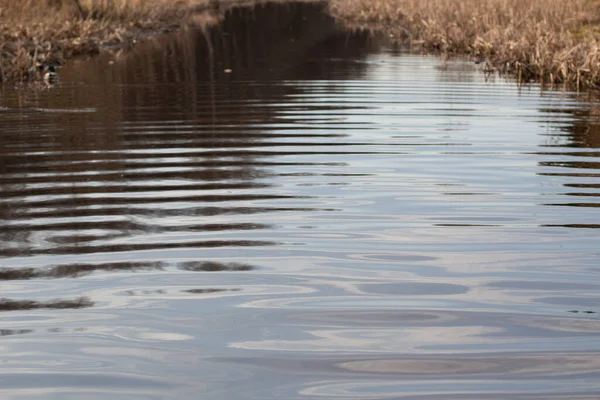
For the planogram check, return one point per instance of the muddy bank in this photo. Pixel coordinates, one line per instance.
(552, 41)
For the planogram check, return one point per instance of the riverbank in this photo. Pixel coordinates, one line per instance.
(36, 34)
(552, 41)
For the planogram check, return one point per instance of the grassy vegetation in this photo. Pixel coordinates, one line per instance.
(553, 41)
(37, 33)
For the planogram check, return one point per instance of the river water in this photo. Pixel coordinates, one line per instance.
(279, 209)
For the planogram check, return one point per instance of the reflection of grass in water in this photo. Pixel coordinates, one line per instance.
(74, 270)
(551, 40)
(77, 270)
(12, 305)
(10, 332)
(211, 266)
(156, 292)
(210, 290)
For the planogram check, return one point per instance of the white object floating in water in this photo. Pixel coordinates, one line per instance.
(64, 110)
(227, 70)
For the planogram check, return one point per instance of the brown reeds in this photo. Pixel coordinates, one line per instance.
(37, 33)
(552, 41)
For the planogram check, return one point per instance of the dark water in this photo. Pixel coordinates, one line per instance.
(332, 218)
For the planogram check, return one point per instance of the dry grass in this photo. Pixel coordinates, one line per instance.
(45, 11)
(41, 32)
(133, 10)
(554, 41)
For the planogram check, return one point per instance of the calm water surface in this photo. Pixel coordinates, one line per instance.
(283, 210)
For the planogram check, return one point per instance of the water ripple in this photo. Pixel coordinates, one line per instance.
(334, 218)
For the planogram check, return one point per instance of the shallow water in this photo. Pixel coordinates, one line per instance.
(285, 210)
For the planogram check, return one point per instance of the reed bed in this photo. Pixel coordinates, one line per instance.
(38, 33)
(552, 41)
